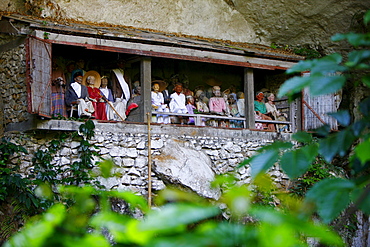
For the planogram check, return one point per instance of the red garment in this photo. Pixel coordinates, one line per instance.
(100, 108)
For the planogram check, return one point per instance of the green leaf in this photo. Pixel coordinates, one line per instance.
(91, 240)
(131, 198)
(343, 117)
(367, 17)
(338, 143)
(302, 137)
(293, 85)
(354, 39)
(262, 162)
(362, 151)
(301, 66)
(276, 146)
(115, 223)
(175, 215)
(36, 234)
(106, 168)
(294, 163)
(366, 80)
(298, 227)
(328, 147)
(326, 84)
(359, 126)
(331, 196)
(344, 138)
(364, 203)
(357, 57)
(365, 107)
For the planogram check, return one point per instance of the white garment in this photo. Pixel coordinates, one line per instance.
(105, 92)
(178, 103)
(120, 106)
(241, 107)
(85, 108)
(108, 105)
(125, 88)
(77, 87)
(158, 100)
(272, 108)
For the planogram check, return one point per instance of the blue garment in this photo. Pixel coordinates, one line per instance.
(71, 95)
(260, 106)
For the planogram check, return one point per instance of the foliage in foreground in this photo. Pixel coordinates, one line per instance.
(184, 219)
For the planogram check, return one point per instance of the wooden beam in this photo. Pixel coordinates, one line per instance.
(167, 51)
(146, 81)
(249, 98)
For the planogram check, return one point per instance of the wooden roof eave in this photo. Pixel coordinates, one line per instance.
(251, 57)
(153, 36)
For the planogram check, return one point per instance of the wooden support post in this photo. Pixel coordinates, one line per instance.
(149, 116)
(145, 78)
(249, 98)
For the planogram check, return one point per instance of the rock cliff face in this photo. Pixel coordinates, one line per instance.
(287, 22)
(303, 22)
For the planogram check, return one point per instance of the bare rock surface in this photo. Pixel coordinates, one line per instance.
(189, 168)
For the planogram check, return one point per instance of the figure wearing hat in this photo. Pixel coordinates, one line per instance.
(77, 94)
(92, 80)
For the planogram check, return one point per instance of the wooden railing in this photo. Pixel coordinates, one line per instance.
(198, 118)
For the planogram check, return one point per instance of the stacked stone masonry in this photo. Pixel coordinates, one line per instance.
(13, 80)
(126, 144)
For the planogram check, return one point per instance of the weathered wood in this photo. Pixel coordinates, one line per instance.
(7, 27)
(145, 78)
(316, 111)
(168, 52)
(39, 77)
(249, 98)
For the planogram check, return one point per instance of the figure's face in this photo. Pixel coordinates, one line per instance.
(78, 79)
(178, 89)
(90, 80)
(59, 82)
(138, 90)
(191, 100)
(104, 82)
(260, 96)
(271, 97)
(156, 87)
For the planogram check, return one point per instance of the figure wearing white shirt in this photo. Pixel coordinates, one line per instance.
(159, 105)
(178, 101)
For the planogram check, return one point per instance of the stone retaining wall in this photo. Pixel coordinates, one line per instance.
(187, 156)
